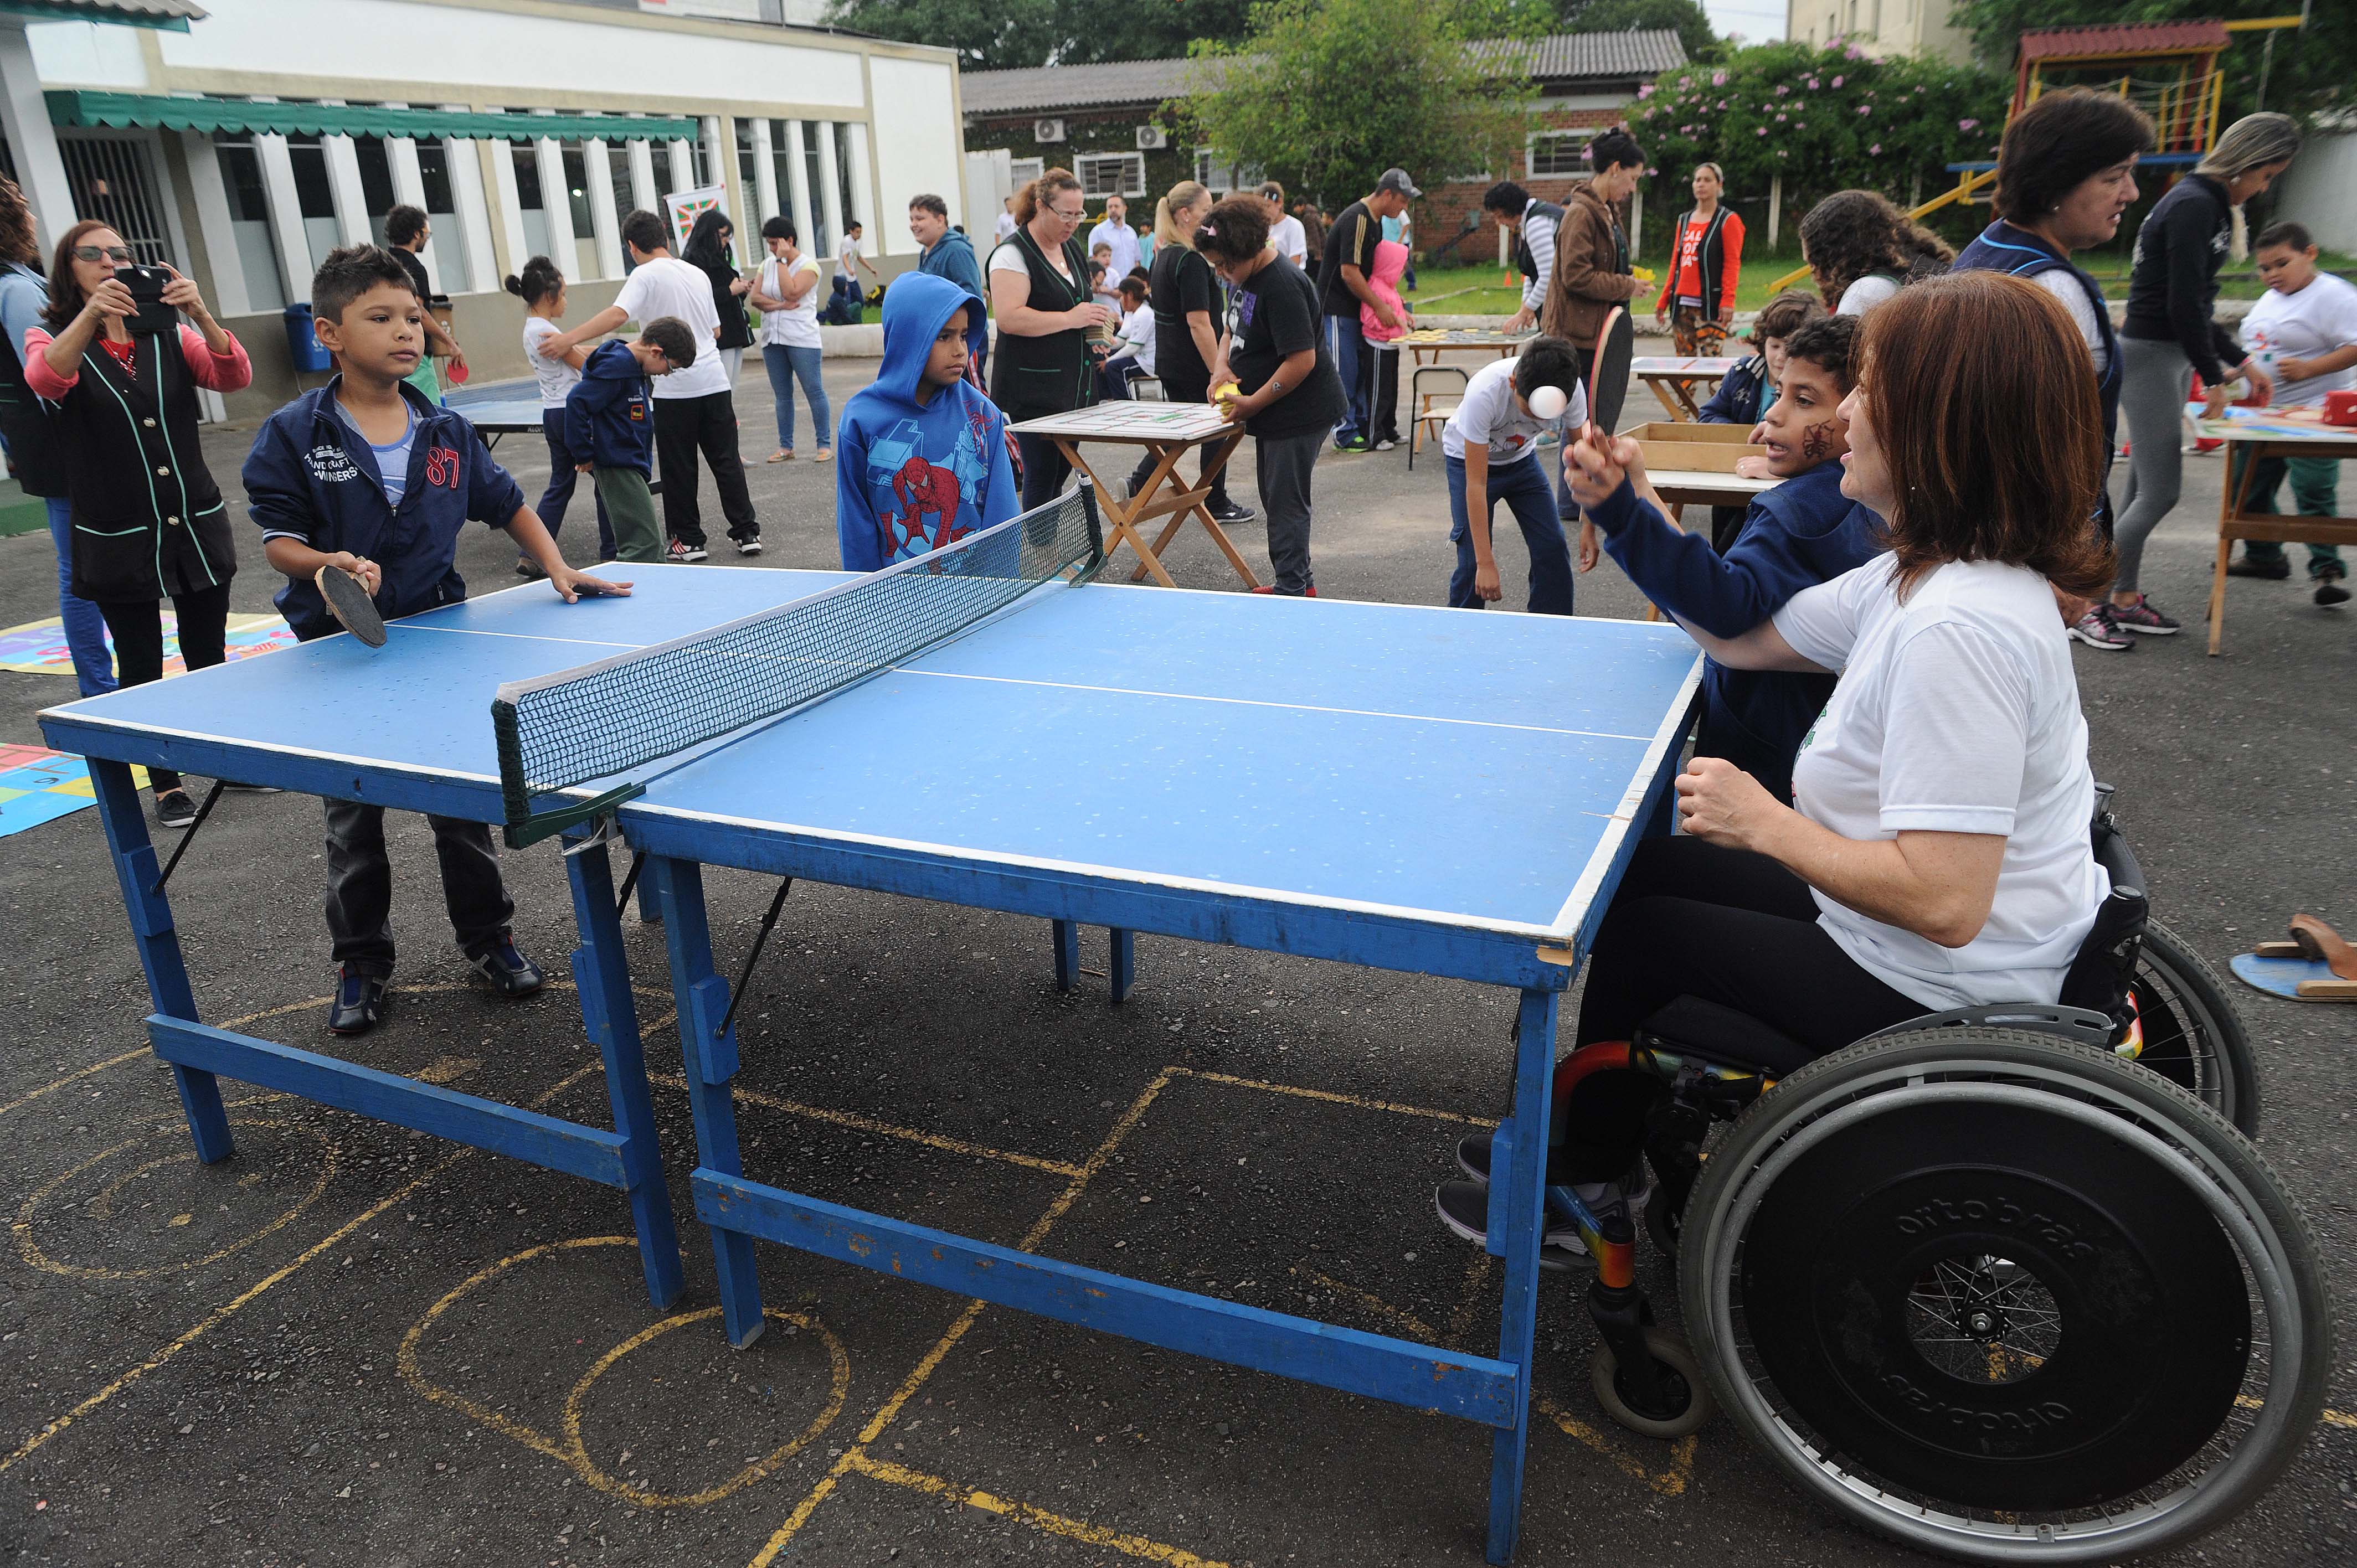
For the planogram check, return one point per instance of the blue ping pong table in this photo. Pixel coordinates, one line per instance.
(1412, 789)
(511, 408)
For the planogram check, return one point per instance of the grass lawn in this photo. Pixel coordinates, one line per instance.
(1477, 291)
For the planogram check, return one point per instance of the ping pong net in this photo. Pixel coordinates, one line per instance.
(599, 721)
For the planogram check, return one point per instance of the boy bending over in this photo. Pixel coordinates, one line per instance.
(1491, 445)
(367, 476)
(607, 419)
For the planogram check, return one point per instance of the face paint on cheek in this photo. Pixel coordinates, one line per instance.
(1817, 440)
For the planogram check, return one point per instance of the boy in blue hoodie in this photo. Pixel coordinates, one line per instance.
(367, 476)
(921, 457)
(609, 414)
(1803, 532)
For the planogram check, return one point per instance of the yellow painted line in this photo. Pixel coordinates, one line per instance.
(570, 1450)
(2330, 1417)
(857, 1122)
(890, 1410)
(1038, 1518)
(74, 1077)
(1332, 1098)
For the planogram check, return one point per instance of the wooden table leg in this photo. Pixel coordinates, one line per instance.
(2230, 496)
(1661, 394)
(1216, 452)
(1120, 514)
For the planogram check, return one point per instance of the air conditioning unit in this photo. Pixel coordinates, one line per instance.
(1152, 138)
(1046, 130)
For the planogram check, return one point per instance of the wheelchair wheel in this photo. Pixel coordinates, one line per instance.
(2005, 1298)
(1683, 1382)
(2193, 1035)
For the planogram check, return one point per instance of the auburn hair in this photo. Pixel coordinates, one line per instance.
(1044, 189)
(1981, 396)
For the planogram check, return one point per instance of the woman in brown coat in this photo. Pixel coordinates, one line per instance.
(1591, 271)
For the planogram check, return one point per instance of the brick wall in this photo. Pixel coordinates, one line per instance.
(1445, 204)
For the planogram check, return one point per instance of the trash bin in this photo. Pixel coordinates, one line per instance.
(302, 342)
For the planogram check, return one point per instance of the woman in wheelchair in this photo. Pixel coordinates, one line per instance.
(1937, 852)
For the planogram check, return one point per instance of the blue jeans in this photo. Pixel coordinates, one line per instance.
(85, 628)
(1350, 351)
(1522, 485)
(562, 478)
(787, 365)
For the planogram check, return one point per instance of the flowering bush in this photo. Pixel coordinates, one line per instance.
(1879, 124)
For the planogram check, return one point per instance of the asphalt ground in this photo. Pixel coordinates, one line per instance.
(353, 1345)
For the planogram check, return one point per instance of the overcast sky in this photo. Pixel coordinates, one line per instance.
(1757, 20)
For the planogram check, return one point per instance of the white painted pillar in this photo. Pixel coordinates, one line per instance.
(605, 223)
(556, 205)
(1636, 221)
(646, 196)
(409, 188)
(765, 176)
(798, 179)
(33, 141)
(466, 166)
(511, 206)
(864, 192)
(1775, 209)
(210, 193)
(830, 186)
(682, 170)
(344, 186)
(295, 264)
(720, 132)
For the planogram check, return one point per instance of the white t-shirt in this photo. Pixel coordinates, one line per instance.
(846, 257)
(1957, 712)
(556, 377)
(669, 286)
(1124, 240)
(1009, 258)
(1856, 300)
(1488, 413)
(1291, 241)
(2317, 320)
(2067, 288)
(1004, 227)
(796, 327)
(1137, 331)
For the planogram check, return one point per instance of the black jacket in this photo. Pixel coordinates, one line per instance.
(2173, 284)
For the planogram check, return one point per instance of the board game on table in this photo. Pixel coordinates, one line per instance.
(1399, 787)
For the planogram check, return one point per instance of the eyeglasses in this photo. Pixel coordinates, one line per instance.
(1073, 217)
(92, 253)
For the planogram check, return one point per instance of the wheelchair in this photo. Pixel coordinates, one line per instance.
(2006, 1284)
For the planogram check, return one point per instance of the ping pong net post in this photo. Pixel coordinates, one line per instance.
(598, 721)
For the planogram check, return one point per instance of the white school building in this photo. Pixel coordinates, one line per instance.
(242, 140)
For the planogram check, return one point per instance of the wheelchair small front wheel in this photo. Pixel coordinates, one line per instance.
(2008, 1299)
(1684, 1405)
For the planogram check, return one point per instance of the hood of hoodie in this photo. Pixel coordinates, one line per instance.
(1391, 262)
(914, 308)
(612, 361)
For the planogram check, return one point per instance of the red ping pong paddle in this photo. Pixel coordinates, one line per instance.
(350, 603)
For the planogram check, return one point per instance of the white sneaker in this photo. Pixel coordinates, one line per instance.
(685, 552)
(1385, 446)
(749, 547)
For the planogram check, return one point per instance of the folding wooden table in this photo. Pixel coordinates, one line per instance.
(2251, 436)
(1673, 380)
(1167, 431)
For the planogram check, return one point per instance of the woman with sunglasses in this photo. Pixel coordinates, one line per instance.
(1045, 363)
(148, 522)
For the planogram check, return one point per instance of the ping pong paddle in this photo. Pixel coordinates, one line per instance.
(350, 603)
(1607, 373)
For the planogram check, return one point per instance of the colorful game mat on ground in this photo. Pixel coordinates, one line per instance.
(38, 786)
(38, 647)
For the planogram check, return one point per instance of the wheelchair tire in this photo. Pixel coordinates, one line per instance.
(1674, 1356)
(2005, 1298)
(2193, 1036)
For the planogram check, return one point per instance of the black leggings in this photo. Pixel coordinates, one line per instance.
(1727, 926)
(1176, 388)
(1044, 468)
(137, 628)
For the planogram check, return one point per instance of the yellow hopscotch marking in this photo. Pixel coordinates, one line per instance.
(1038, 1518)
(890, 1410)
(856, 1122)
(571, 1450)
(1332, 1098)
(74, 1076)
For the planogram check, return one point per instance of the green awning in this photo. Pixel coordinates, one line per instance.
(120, 110)
(164, 16)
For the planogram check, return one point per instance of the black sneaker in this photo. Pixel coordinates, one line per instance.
(508, 970)
(2274, 570)
(748, 546)
(175, 810)
(360, 1003)
(1232, 513)
(2329, 592)
(1464, 1208)
(682, 553)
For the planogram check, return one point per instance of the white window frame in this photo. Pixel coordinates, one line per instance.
(1225, 178)
(1087, 166)
(1023, 171)
(1579, 135)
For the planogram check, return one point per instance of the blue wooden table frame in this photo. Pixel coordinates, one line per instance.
(625, 1157)
(1494, 1390)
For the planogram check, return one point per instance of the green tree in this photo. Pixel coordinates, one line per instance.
(2312, 70)
(1000, 34)
(1685, 17)
(1327, 94)
(1824, 119)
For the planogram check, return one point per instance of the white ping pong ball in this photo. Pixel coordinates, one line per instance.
(1548, 402)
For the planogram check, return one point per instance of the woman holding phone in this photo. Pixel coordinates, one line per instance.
(148, 522)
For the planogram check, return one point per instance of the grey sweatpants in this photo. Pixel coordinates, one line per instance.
(1285, 463)
(2155, 379)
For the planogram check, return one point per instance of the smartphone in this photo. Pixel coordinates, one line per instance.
(147, 286)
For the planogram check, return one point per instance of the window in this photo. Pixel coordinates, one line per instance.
(1111, 174)
(1023, 171)
(617, 166)
(1558, 153)
(449, 241)
(781, 171)
(846, 188)
(1220, 178)
(249, 222)
(585, 224)
(315, 196)
(376, 182)
(524, 159)
(747, 171)
(821, 240)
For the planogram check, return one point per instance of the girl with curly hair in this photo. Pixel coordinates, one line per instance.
(1861, 248)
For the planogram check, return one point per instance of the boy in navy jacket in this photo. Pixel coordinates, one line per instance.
(1802, 532)
(366, 476)
(609, 415)
(1749, 389)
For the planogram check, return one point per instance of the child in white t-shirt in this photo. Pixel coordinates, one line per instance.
(541, 288)
(1133, 355)
(1488, 444)
(2303, 332)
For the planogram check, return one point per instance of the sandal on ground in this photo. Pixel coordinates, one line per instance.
(782, 454)
(826, 454)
